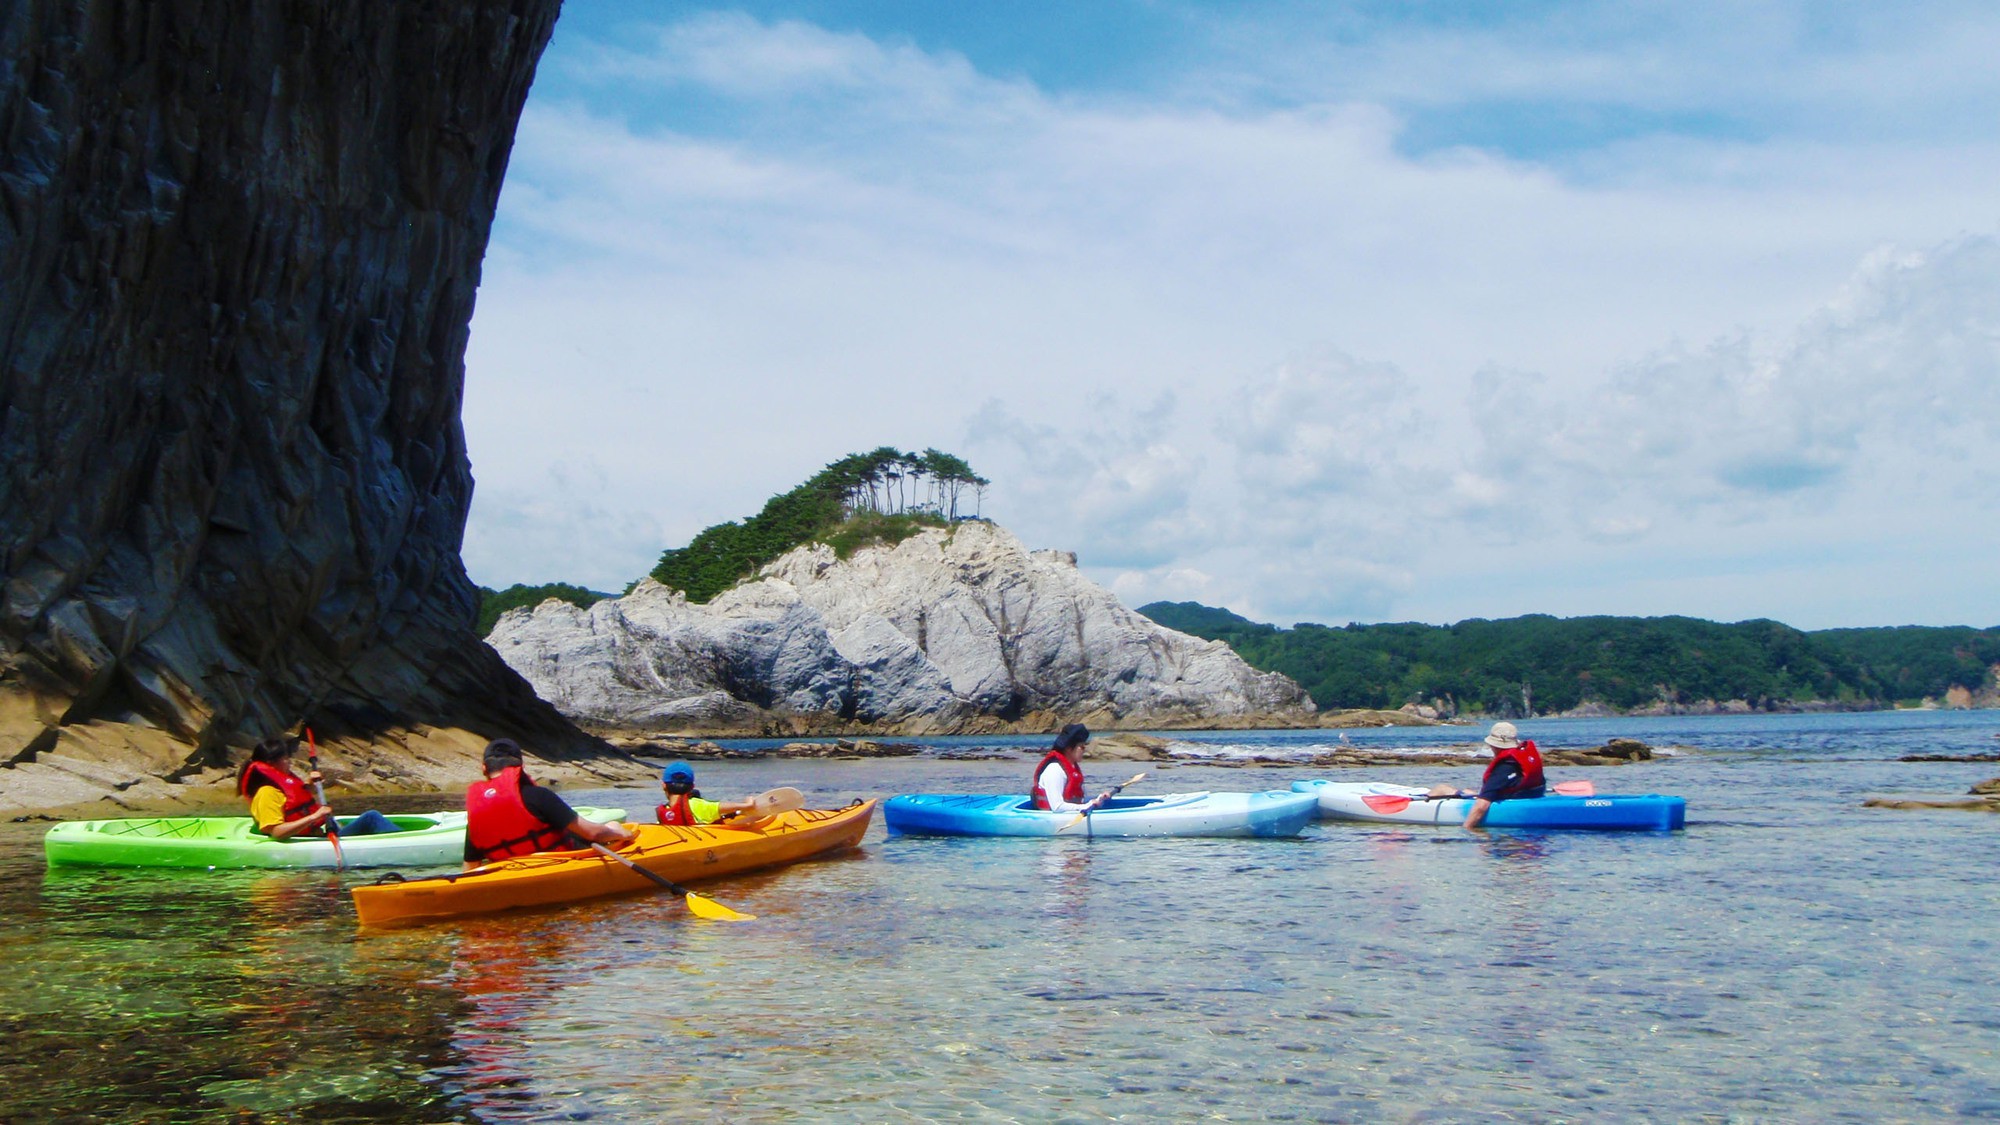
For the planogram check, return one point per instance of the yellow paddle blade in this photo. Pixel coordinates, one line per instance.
(711, 909)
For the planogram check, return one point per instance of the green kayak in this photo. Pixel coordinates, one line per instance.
(426, 840)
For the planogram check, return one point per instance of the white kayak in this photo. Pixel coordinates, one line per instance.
(1407, 804)
(1271, 813)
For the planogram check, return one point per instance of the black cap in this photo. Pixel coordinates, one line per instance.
(501, 753)
(1072, 736)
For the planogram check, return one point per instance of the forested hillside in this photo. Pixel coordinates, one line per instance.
(1547, 664)
(493, 603)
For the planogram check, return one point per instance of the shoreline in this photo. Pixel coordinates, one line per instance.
(783, 726)
(778, 725)
(212, 794)
(101, 772)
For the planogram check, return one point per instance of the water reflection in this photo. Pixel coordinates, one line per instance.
(501, 969)
(1064, 878)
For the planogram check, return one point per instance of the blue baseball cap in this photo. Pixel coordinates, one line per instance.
(676, 769)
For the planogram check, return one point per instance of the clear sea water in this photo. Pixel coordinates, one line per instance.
(1791, 956)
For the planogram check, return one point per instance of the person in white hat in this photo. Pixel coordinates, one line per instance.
(1516, 771)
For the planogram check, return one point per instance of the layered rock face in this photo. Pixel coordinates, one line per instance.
(951, 629)
(239, 244)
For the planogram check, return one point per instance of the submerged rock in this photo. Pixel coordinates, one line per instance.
(951, 629)
(1617, 752)
(1974, 804)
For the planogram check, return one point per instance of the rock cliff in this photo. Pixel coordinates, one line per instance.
(952, 629)
(239, 244)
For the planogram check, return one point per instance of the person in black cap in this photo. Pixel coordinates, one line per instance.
(508, 814)
(1058, 779)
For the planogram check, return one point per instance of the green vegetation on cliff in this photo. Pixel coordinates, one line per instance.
(493, 603)
(883, 496)
(1549, 664)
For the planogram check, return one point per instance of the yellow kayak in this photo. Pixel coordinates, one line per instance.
(676, 853)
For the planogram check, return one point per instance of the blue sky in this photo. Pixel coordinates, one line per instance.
(1322, 312)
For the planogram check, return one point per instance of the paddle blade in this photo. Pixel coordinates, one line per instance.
(781, 800)
(715, 911)
(1386, 803)
(1574, 789)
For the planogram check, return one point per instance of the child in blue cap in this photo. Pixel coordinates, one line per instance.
(685, 804)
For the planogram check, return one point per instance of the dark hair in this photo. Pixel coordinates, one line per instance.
(1072, 736)
(269, 751)
(501, 753)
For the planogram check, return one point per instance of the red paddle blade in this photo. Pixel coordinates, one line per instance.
(1386, 803)
(1574, 789)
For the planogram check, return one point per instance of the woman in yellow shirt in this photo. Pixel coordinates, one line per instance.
(283, 804)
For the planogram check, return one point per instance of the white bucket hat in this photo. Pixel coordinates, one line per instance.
(1502, 737)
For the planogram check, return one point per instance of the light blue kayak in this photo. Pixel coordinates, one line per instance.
(1270, 813)
(1406, 804)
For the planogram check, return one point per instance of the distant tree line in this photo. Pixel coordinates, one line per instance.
(884, 495)
(1540, 664)
(493, 603)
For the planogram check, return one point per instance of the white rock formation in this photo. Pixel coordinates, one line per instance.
(949, 625)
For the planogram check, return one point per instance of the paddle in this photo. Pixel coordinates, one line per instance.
(1387, 803)
(1101, 798)
(762, 808)
(771, 802)
(702, 907)
(319, 794)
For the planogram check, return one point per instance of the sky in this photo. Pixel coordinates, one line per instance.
(1371, 311)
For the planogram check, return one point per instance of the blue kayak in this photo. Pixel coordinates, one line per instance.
(1270, 813)
(1406, 804)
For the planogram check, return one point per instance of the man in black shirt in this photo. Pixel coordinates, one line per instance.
(508, 814)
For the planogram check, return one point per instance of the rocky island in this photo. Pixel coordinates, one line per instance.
(954, 629)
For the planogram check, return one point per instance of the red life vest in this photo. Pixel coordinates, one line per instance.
(299, 799)
(676, 811)
(498, 823)
(1529, 759)
(1072, 783)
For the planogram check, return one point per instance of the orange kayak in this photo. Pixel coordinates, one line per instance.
(679, 854)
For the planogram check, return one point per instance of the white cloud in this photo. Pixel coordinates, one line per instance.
(1874, 417)
(1091, 299)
